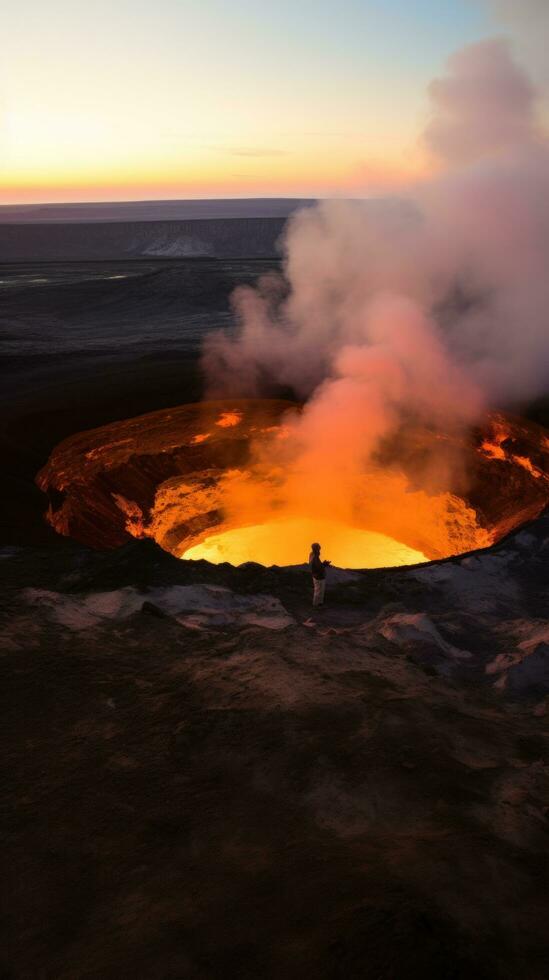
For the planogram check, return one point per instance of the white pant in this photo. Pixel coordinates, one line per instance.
(319, 587)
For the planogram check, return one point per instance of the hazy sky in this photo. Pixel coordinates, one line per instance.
(127, 99)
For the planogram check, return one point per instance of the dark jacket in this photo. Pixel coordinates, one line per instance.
(318, 569)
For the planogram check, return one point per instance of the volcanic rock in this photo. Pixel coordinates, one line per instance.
(159, 475)
(247, 787)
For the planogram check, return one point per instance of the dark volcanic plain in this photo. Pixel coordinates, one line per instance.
(85, 343)
(207, 781)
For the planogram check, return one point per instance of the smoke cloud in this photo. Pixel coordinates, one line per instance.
(527, 21)
(433, 308)
(484, 106)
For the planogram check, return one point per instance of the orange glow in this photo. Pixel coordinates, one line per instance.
(245, 497)
(269, 511)
(228, 419)
(382, 522)
(493, 447)
(493, 450)
(302, 173)
(528, 465)
(288, 542)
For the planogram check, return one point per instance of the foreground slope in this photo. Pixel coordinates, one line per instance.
(210, 780)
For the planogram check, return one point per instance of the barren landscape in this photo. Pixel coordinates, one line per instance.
(209, 778)
(274, 507)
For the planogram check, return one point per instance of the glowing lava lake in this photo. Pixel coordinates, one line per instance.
(286, 543)
(186, 478)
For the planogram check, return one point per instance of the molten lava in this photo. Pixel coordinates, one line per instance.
(287, 542)
(208, 481)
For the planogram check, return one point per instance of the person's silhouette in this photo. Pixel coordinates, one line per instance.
(318, 571)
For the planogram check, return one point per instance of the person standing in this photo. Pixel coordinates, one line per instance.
(318, 571)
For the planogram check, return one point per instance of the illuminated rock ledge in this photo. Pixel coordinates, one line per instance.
(165, 475)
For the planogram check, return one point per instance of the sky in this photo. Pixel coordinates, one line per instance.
(138, 99)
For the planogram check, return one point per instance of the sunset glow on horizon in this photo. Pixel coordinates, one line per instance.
(189, 99)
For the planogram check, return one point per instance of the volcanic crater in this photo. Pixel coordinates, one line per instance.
(170, 475)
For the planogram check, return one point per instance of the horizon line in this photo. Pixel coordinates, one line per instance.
(163, 200)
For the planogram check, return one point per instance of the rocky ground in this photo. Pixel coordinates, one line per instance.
(208, 779)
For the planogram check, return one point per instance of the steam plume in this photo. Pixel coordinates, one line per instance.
(484, 106)
(430, 308)
(527, 21)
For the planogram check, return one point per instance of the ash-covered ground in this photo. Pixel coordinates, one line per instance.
(205, 777)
